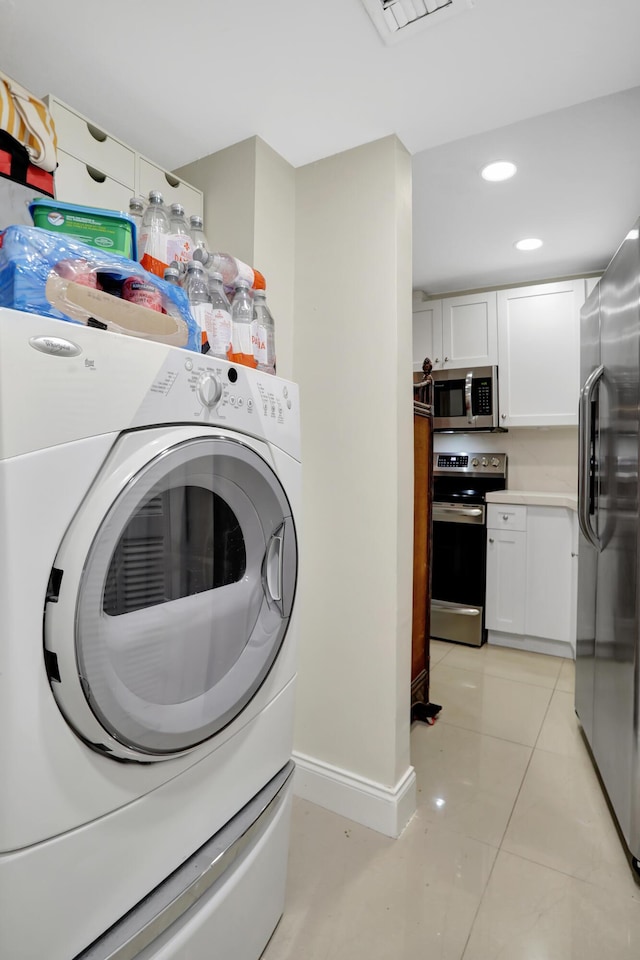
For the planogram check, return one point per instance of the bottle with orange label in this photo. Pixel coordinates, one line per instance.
(231, 268)
(154, 236)
(242, 326)
(198, 292)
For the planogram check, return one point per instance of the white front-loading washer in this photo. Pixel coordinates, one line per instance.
(148, 567)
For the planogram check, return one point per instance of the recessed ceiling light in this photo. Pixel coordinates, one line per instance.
(531, 243)
(498, 170)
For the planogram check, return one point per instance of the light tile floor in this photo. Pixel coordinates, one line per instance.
(512, 853)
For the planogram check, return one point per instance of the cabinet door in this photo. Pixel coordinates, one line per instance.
(427, 334)
(470, 330)
(506, 577)
(174, 190)
(550, 574)
(538, 354)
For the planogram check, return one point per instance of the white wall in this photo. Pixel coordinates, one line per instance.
(249, 211)
(544, 459)
(334, 242)
(352, 347)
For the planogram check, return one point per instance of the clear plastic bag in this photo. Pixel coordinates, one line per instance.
(57, 276)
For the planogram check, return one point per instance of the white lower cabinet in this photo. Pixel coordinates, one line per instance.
(506, 580)
(532, 578)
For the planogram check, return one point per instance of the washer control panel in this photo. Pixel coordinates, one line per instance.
(197, 389)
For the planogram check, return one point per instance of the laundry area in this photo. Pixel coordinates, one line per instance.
(319, 480)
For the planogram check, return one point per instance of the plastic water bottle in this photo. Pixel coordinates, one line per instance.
(172, 275)
(198, 293)
(264, 334)
(154, 235)
(198, 237)
(220, 339)
(180, 244)
(136, 212)
(242, 326)
(231, 268)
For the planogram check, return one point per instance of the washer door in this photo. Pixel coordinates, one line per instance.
(181, 605)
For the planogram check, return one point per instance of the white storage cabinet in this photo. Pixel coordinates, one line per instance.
(539, 354)
(96, 169)
(531, 596)
(456, 332)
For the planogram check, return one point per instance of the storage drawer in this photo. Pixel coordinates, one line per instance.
(83, 140)
(174, 190)
(77, 183)
(506, 516)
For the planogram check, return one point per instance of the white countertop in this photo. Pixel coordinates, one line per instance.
(534, 498)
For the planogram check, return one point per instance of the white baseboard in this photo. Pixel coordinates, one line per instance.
(556, 648)
(385, 809)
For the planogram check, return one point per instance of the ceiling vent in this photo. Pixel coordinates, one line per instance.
(397, 19)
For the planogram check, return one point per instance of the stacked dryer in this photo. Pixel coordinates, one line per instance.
(148, 564)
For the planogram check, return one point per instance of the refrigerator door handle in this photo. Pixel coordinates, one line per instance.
(584, 455)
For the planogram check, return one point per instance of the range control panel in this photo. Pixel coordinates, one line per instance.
(470, 464)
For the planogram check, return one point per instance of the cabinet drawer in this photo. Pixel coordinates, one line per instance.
(76, 183)
(506, 516)
(174, 190)
(83, 140)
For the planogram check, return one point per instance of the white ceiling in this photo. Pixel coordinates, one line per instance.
(180, 81)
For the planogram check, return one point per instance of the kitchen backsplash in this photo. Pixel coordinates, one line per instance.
(540, 458)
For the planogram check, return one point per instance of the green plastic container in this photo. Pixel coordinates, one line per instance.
(102, 229)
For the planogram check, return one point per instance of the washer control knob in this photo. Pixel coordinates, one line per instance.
(475, 462)
(485, 462)
(209, 390)
(495, 462)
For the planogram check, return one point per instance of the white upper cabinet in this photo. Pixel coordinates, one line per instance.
(427, 333)
(538, 354)
(456, 332)
(469, 331)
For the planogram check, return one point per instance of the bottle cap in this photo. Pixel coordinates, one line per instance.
(136, 203)
(194, 266)
(259, 295)
(172, 273)
(177, 209)
(241, 284)
(155, 197)
(195, 221)
(216, 276)
(200, 255)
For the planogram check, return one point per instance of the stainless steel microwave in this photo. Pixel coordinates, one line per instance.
(465, 399)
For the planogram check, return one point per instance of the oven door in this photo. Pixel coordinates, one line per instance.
(459, 572)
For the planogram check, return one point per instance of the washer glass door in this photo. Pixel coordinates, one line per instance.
(185, 596)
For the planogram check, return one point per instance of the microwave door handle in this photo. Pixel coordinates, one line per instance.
(585, 466)
(468, 383)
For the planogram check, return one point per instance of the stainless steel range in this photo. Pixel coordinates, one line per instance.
(460, 484)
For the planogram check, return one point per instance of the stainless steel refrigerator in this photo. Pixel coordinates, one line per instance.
(608, 635)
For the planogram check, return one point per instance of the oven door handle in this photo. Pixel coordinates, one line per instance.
(453, 514)
(468, 398)
(459, 611)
